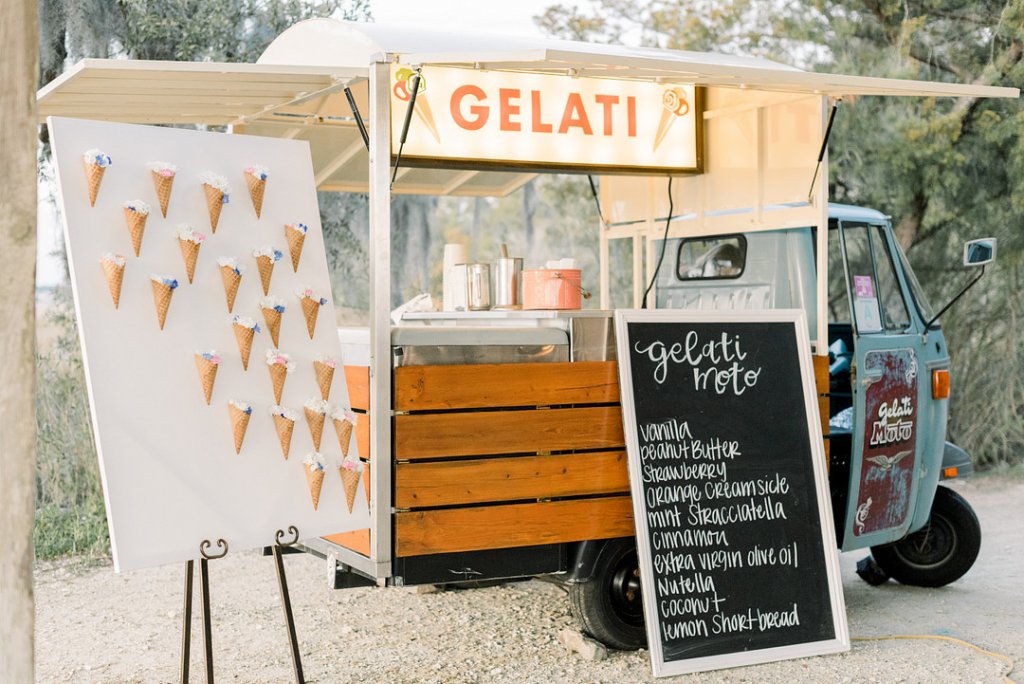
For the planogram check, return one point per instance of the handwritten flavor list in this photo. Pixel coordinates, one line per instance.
(728, 488)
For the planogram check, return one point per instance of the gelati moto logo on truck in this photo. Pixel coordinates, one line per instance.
(516, 119)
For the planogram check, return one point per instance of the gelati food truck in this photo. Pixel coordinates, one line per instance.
(493, 437)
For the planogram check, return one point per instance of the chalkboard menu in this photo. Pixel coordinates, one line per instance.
(737, 550)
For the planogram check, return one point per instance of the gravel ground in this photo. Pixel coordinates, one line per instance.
(96, 626)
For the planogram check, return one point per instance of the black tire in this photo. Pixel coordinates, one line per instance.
(939, 553)
(609, 607)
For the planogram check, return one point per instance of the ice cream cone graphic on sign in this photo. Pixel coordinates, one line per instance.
(404, 79)
(163, 290)
(135, 214)
(266, 257)
(240, 413)
(189, 241)
(273, 309)
(295, 234)
(163, 174)
(280, 365)
(310, 308)
(218, 193)
(245, 329)
(351, 471)
(207, 363)
(284, 424)
(316, 415)
(231, 274)
(314, 466)
(96, 163)
(324, 369)
(344, 421)
(256, 179)
(674, 105)
(113, 269)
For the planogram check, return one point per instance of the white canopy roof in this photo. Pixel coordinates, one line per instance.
(295, 89)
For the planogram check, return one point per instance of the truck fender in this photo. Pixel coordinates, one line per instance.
(955, 457)
(585, 557)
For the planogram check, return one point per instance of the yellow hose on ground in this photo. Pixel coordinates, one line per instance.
(960, 642)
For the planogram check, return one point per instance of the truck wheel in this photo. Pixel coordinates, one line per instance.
(939, 553)
(609, 606)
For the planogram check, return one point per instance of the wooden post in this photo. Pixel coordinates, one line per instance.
(19, 69)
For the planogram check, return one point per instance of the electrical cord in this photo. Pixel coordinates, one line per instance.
(960, 642)
(664, 245)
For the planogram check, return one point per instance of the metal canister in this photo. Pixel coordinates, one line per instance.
(508, 287)
(478, 287)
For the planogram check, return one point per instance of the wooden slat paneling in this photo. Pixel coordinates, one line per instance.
(821, 376)
(422, 388)
(495, 527)
(363, 435)
(508, 479)
(507, 432)
(358, 380)
(823, 404)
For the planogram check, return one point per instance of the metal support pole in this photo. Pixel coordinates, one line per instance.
(186, 623)
(289, 619)
(204, 588)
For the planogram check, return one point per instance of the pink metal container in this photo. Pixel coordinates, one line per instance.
(551, 288)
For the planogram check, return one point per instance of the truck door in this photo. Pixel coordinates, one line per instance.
(884, 379)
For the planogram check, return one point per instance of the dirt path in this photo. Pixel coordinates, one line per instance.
(96, 626)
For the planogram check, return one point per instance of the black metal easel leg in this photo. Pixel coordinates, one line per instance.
(286, 603)
(204, 587)
(186, 624)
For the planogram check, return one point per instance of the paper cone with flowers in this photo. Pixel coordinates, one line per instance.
(163, 289)
(218, 193)
(295, 235)
(273, 309)
(113, 269)
(245, 329)
(189, 241)
(351, 471)
(207, 363)
(344, 422)
(310, 307)
(316, 411)
(135, 214)
(163, 174)
(315, 467)
(256, 178)
(280, 365)
(324, 367)
(96, 164)
(240, 412)
(231, 275)
(266, 257)
(284, 425)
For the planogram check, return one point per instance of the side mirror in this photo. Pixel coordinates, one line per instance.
(979, 252)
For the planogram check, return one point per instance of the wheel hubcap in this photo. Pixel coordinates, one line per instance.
(626, 594)
(930, 546)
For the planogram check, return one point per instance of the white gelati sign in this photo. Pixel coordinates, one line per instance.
(171, 474)
(524, 120)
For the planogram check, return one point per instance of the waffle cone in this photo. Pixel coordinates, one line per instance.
(94, 176)
(162, 298)
(310, 309)
(115, 277)
(284, 429)
(244, 337)
(350, 480)
(239, 423)
(273, 320)
(315, 480)
(257, 187)
(207, 375)
(664, 124)
(344, 430)
(324, 377)
(295, 240)
(136, 227)
(426, 115)
(214, 203)
(316, 426)
(190, 253)
(231, 282)
(163, 190)
(266, 266)
(278, 373)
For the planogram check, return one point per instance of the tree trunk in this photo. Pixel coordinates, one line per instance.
(19, 70)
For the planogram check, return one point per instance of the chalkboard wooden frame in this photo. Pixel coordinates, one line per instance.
(836, 642)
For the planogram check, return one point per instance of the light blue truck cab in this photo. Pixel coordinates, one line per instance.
(889, 379)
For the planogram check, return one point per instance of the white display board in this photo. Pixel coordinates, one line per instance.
(171, 477)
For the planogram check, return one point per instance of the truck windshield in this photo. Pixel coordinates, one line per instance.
(924, 308)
